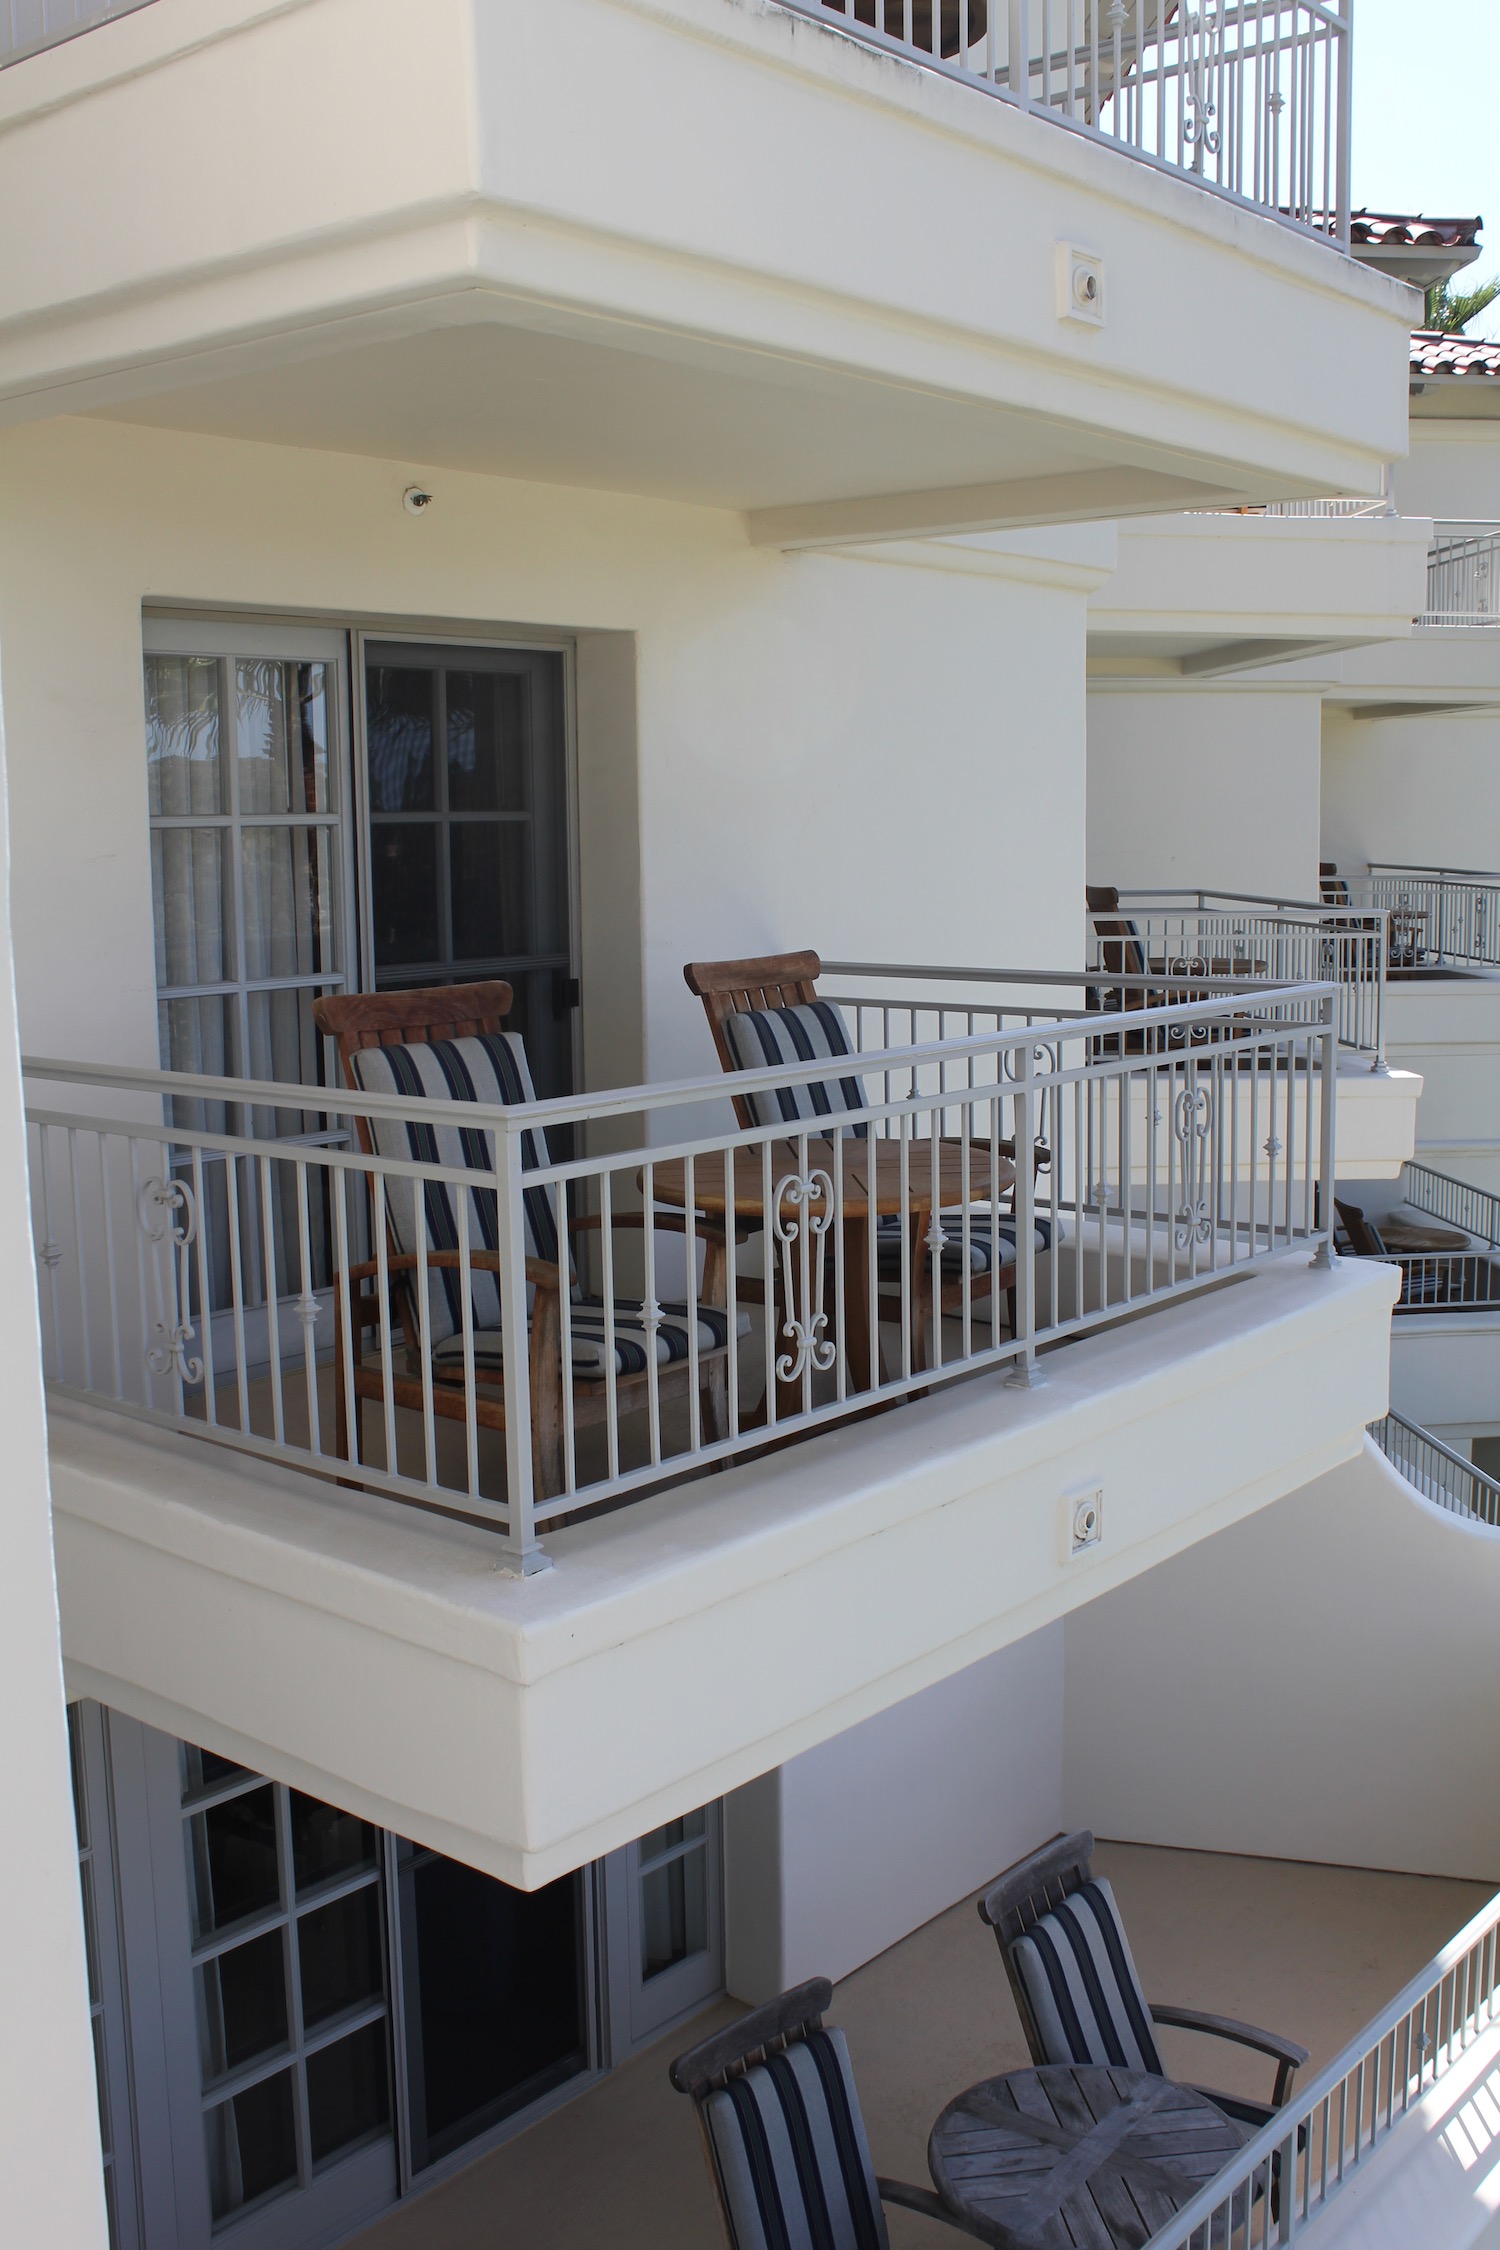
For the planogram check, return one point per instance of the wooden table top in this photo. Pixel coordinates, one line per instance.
(1071, 2158)
(1418, 1236)
(957, 1185)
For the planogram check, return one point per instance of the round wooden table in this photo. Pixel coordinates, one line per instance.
(1074, 2158)
(867, 1177)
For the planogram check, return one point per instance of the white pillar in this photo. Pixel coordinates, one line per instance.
(51, 2180)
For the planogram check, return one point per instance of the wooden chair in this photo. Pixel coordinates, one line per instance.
(772, 981)
(416, 1021)
(781, 2067)
(1047, 1907)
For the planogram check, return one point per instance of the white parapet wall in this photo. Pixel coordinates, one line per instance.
(1315, 1682)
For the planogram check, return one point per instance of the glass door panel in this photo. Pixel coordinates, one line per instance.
(466, 784)
(666, 1927)
(495, 1990)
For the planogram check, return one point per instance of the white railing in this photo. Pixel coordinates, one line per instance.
(26, 26)
(1463, 575)
(1252, 97)
(1437, 1472)
(1287, 2176)
(279, 1294)
(1474, 1210)
(1168, 934)
(1437, 914)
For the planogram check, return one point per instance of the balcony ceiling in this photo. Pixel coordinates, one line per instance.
(699, 249)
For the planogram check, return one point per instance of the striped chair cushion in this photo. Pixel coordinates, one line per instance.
(1078, 1975)
(489, 1070)
(790, 2149)
(981, 1243)
(812, 1032)
(590, 1343)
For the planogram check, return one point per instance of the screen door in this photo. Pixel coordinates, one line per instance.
(466, 783)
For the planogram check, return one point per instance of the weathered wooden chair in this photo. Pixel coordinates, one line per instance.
(1075, 1985)
(766, 1010)
(446, 1043)
(783, 2135)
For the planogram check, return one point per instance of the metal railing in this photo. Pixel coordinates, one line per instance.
(1474, 1210)
(1180, 933)
(1437, 914)
(1436, 1471)
(1291, 2171)
(280, 1294)
(1463, 575)
(27, 26)
(1461, 1275)
(1251, 97)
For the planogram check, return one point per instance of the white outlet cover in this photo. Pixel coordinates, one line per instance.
(1082, 1515)
(1080, 285)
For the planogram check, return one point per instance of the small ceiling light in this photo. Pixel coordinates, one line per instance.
(416, 500)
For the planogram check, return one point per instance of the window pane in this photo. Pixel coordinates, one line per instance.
(233, 1868)
(101, 2082)
(398, 713)
(75, 1758)
(289, 902)
(490, 862)
(674, 1913)
(252, 2146)
(326, 1842)
(260, 735)
(90, 1928)
(404, 870)
(203, 1770)
(489, 721)
(242, 2010)
(182, 734)
(192, 899)
(682, 1831)
(348, 2092)
(339, 1946)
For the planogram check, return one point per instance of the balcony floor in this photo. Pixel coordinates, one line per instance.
(1310, 1951)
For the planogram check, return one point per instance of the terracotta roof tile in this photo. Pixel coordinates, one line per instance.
(1435, 354)
(1395, 230)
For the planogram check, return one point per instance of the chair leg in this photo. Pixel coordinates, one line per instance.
(716, 1401)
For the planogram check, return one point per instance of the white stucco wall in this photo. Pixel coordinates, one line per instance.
(1204, 788)
(1452, 470)
(1423, 791)
(1314, 1683)
(51, 2183)
(843, 1851)
(804, 749)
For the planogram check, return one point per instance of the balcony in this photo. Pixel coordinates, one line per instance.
(265, 1429)
(30, 25)
(570, 209)
(1463, 577)
(1319, 1951)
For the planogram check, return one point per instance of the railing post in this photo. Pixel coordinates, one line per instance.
(1328, 1068)
(1344, 191)
(525, 1557)
(1380, 1068)
(1024, 1373)
(1018, 55)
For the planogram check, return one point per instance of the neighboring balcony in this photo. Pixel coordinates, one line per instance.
(1463, 577)
(1049, 1225)
(728, 252)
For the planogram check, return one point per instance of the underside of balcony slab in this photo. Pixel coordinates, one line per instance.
(681, 1646)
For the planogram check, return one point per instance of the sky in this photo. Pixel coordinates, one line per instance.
(1426, 133)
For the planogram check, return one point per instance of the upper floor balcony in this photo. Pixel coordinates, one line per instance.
(854, 281)
(348, 1371)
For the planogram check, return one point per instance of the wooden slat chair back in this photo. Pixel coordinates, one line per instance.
(809, 2178)
(430, 1016)
(1041, 1883)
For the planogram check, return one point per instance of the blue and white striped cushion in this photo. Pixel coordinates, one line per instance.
(793, 2162)
(981, 1242)
(590, 1343)
(1085, 1995)
(814, 1032)
(491, 1071)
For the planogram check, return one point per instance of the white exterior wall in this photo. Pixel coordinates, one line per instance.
(843, 1851)
(51, 2184)
(1204, 788)
(1452, 470)
(1423, 791)
(809, 752)
(1317, 1682)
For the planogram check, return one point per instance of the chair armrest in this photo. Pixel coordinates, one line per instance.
(923, 2200)
(662, 1222)
(1286, 2053)
(541, 1275)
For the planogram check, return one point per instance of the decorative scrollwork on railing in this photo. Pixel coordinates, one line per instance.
(802, 1275)
(1199, 131)
(1192, 1122)
(168, 1212)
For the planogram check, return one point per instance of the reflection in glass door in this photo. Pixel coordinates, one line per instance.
(666, 1932)
(467, 793)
